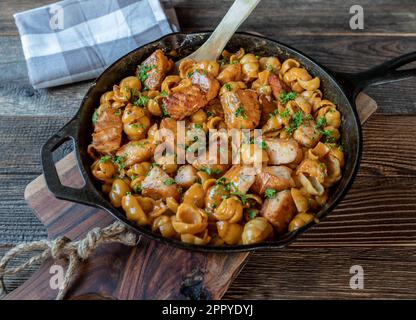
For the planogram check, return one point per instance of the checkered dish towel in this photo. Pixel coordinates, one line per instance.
(75, 40)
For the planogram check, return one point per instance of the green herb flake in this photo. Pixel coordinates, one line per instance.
(164, 93)
(143, 72)
(128, 193)
(285, 113)
(221, 181)
(263, 145)
(210, 114)
(252, 214)
(269, 67)
(104, 159)
(210, 171)
(327, 135)
(240, 113)
(227, 86)
(284, 96)
(141, 101)
(235, 62)
(169, 182)
(138, 189)
(320, 122)
(165, 113)
(270, 193)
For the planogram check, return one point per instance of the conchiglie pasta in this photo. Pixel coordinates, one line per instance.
(285, 171)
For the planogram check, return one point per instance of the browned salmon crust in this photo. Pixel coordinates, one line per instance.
(241, 109)
(160, 65)
(107, 131)
(186, 102)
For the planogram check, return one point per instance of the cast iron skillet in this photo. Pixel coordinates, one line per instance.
(342, 89)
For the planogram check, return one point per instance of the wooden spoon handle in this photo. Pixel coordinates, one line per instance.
(235, 16)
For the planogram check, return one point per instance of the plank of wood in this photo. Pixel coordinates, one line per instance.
(324, 273)
(305, 17)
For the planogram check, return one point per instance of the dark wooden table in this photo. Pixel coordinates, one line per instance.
(375, 226)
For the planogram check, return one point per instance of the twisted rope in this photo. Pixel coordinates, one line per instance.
(64, 248)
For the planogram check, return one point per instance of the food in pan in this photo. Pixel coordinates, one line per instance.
(250, 148)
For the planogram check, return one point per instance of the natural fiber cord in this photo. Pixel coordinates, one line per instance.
(64, 248)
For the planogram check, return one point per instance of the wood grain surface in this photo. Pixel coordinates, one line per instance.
(378, 214)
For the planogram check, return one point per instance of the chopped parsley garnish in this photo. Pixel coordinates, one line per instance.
(197, 126)
(138, 189)
(240, 113)
(119, 161)
(296, 122)
(252, 214)
(269, 67)
(143, 70)
(243, 197)
(137, 125)
(285, 113)
(165, 113)
(270, 193)
(210, 171)
(221, 181)
(141, 101)
(169, 182)
(235, 62)
(128, 194)
(135, 93)
(210, 114)
(190, 74)
(164, 93)
(104, 159)
(320, 122)
(95, 116)
(118, 113)
(227, 86)
(328, 135)
(284, 96)
(263, 145)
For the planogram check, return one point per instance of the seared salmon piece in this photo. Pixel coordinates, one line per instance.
(283, 151)
(279, 211)
(307, 135)
(276, 177)
(159, 185)
(277, 86)
(185, 102)
(241, 109)
(206, 81)
(136, 152)
(107, 131)
(241, 177)
(154, 69)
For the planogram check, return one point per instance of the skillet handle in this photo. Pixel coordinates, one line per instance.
(385, 73)
(82, 195)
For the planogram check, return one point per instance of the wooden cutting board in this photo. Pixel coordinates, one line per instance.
(148, 271)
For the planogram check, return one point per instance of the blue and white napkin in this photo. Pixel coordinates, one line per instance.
(75, 40)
